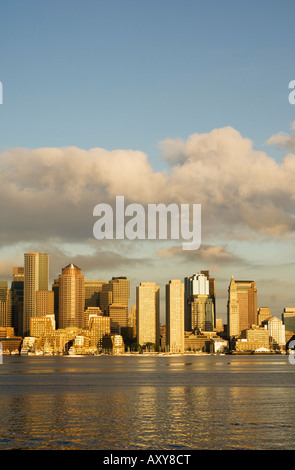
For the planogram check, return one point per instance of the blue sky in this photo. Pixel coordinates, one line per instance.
(127, 74)
(130, 74)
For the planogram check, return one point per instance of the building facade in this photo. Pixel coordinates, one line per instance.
(71, 297)
(242, 306)
(148, 313)
(175, 316)
(36, 277)
(199, 302)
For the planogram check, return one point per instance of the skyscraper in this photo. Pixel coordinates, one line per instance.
(148, 313)
(44, 303)
(233, 310)
(242, 306)
(199, 306)
(92, 293)
(17, 293)
(212, 292)
(175, 316)
(71, 297)
(5, 305)
(114, 298)
(36, 269)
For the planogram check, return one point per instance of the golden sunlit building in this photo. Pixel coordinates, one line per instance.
(36, 277)
(242, 306)
(148, 313)
(44, 303)
(71, 297)
(99, 326)
(5, 305)
(175, 316)
(92, 293)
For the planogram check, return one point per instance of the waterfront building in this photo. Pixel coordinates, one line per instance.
(252, 339)
(242, 306)
(11, 344)
(175, 316)
(6, 332)
(148, 313)
(71, 297)
(43, 328)
(276, 330)
(198, 342)
(99, 326)
(63, 337)
(218, 346)
(199, 305)
(113, 344)
(36, 277)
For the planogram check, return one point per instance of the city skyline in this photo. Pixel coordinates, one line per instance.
(147, 241)
(116, 297)
(195, 279)
(174, 102)
(93, 317)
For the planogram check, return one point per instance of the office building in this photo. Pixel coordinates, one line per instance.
(118, 314)
(90, 312)
(5, 305)
(199, 306)
(212, 292)
(242, 306)
(36, 277)
(276, 330)
(71, 297)
(17, 298)
(114, 297)
(263, 313)
(44, 303)
(175, 316)
(132, 320)
(148, 313)
(92, 293)
(99, 326)
(42, 327)
(18, 274)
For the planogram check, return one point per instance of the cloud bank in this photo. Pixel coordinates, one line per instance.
(48, 194)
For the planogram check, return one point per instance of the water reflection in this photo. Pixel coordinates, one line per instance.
(147, 404)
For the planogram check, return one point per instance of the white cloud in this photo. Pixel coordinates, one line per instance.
(51, 192)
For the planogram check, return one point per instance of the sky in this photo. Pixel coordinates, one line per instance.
(181, 102)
